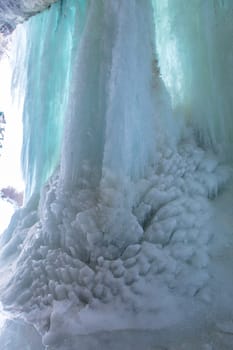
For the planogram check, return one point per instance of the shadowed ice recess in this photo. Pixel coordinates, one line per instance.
(126, 157)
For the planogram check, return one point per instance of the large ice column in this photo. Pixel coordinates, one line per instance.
(196, 63)
(111, 106)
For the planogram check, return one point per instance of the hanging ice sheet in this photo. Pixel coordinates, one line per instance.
(51, 38)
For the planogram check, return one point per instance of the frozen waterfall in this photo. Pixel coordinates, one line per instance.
(127, 131)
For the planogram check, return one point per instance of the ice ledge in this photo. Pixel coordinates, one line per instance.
(13, 13)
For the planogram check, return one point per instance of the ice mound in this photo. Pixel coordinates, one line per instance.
(133, 248)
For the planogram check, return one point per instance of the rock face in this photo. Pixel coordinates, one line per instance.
(13, 12)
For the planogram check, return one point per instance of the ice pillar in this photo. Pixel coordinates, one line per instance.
(111, 118)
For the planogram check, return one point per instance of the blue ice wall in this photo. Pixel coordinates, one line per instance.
(104, 87)
(51, 37)
(194, 41)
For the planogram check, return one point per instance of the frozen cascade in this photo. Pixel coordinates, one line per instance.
(115, 231)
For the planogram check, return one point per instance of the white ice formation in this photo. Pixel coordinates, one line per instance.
(121, 228)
